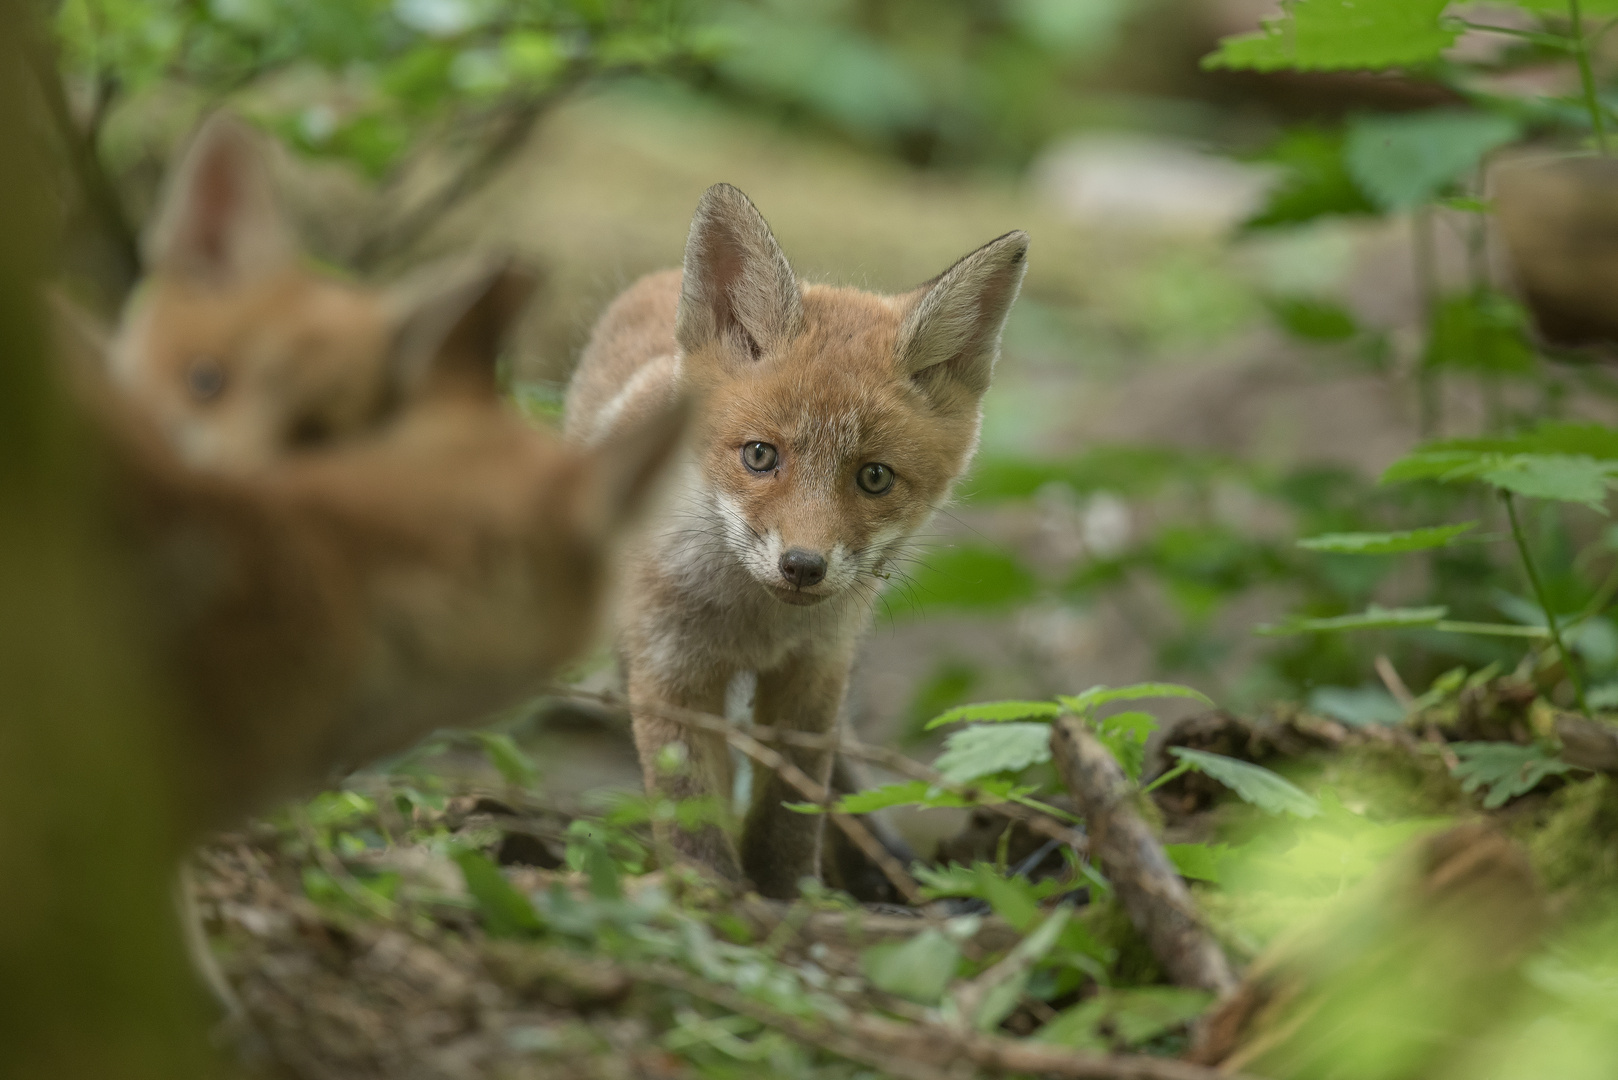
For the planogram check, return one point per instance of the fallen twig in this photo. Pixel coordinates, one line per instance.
(1152, 893)
(924, 1051)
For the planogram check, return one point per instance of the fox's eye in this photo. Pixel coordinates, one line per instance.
(875, 478)
(759, 456)
(205, 378)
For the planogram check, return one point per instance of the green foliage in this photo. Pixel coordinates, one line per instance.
(1357, 706)
(1505, 769)
(988, 749)
(1388, 543)
(1326, 35)
(505, 911)
(1375, 617)
(919, 969)
(1118, 1020)
(1315, 182)
(1311, 319)
(506, 756)
(969, 578)
(1480, 331)
(1097, 696)
(1576, 478)
(1405, 160)
(994, 712)
(1200, 862)
(920, 793)
(1251, 783)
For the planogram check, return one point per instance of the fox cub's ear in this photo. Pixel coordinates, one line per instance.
(450, 322)
(737, 288)
(220, 221)
(952, 330)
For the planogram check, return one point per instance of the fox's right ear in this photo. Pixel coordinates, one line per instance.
(737, 287)
(220, 220)
(624, 474)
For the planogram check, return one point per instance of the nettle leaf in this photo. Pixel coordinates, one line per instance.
(986, 749)
(506, 911)
(1328, 35)
(1097, 696)
(1252, 783)
(1506, 769)
(1124, 735)
(1553, 476)
(1374, 617)
(1128, 1017)
(996, 712)
(1388, 543)
(1200, 862)
(917, 970)
(1402, 161)
(1315, 182)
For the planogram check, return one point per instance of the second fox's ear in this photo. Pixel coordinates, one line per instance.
(737, 287)
(450, 322)
(951, 334)
(220, 221)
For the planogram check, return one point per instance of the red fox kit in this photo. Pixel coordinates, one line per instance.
(238, 350)
(831, 423)
(335, 607)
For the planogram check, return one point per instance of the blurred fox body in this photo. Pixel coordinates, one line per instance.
(832, 423)
(239, 350)
(334, 607)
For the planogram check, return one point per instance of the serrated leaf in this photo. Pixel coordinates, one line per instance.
(917, 970)
(1372, 618)
(1403, 160)
(996, 712)
(1328, 35)
(1124, 735)
(506, 911)
(986, 749)
(1251, 783)
(1200, 862)
(1506, 769)
(1560, 477)
(1130, 1017)
(1388, 543)
(1097, 696)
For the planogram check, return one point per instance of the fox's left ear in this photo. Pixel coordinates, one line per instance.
(951, 334)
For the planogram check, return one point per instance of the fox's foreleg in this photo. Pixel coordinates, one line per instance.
(682, 763)
(804, 694)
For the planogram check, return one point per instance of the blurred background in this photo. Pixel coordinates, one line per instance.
(1249, 292)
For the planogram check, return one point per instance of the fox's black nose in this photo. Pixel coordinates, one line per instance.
(803, 568)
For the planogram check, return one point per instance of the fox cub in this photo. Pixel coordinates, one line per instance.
(330, 608)
(239, 350)
(830, 424)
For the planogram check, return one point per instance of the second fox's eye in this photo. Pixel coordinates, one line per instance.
(875, 478)
(205, 378)
(759, 456)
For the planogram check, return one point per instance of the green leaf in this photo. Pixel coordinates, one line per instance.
(1388, 543)
(1127, 1017)
(506, 911)
(1309, 319)
(1124, 735)
(1200, 862)
(1405, 159)
(1374, 617)
(962, 578)
(986, 749)
(995, 712)
(1315, 182)
(917, 970)
(1252, 783)
(1003, 997)
(1480, 331)
(1553, 476)
(1326, 35)
(506, 756)
(1357, 706)
(1506, 769)
(1097, 696)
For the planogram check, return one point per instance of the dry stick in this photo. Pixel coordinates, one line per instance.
(893, 760)
(1396, 685)
(918, 1050)
(1152, 893)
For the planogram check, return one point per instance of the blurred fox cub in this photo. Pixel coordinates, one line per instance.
(830, 424)
(238, 349)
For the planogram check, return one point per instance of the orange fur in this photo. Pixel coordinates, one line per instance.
(774, 571)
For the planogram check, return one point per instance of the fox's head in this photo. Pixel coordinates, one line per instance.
(833, 421)
(234, 346)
